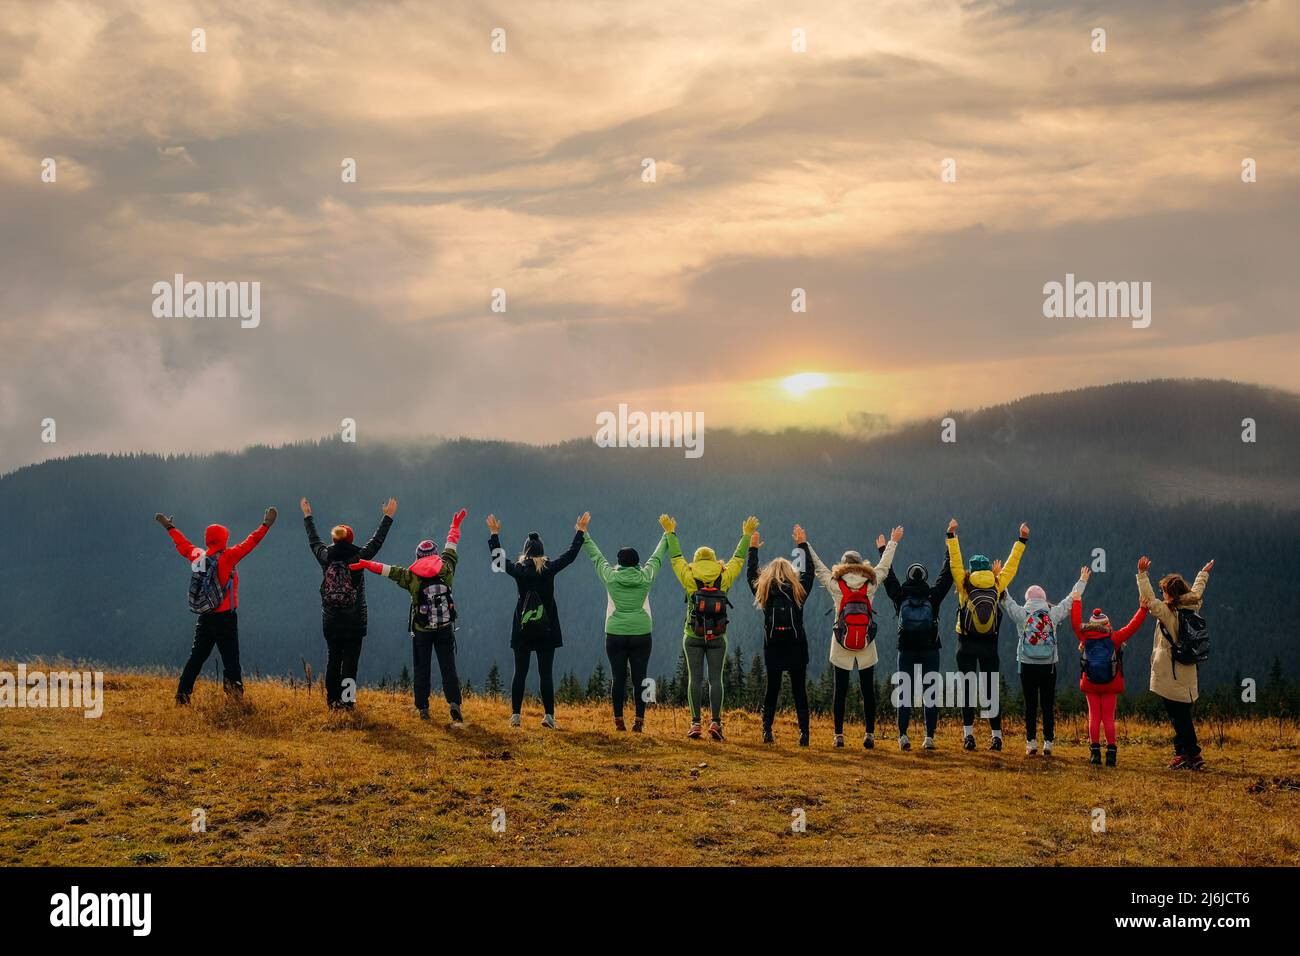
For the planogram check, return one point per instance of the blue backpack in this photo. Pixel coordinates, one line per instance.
(206, 592)
(1038, 638)
(1101, 660)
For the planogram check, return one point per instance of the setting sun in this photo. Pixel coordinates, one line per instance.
(803, 383)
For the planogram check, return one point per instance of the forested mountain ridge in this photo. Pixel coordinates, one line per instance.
(1157, 468)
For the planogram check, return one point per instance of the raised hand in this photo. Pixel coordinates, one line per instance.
(269, 516)
(1024, 530)
(952, 526)
(800, 536)
(896, 535)
(305, 505)
(754, 542)
(390, 508)
(458, 517)
(584, 519)
(880, 542)
(494, 526)
(164, 520)
(1144, 601)
(750, 525)
(1144, 563)
(1208, 567)
(1085, 572)
(997, 567)
(668, 524)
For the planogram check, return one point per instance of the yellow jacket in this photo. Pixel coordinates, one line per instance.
(705, 567)
(981, 579)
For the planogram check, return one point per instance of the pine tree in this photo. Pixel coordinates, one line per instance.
(598, 685)
(493, 686)
(681, 678)
(756, 688)
(404, 681)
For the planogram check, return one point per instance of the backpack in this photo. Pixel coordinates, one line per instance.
(338, 590)
(916, 625)
(708, 617)
(1193, 643)
(781, 611)
(1038, 638)
(434, 607)
(534, 623)
(981, 615)
(1101, 661)
(206, 592)
(855, 624)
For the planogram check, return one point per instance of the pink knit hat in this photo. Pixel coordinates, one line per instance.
(1035, 593)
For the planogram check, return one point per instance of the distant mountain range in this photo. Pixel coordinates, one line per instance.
(1157, 468)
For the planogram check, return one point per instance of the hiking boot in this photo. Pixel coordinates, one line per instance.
(1095, 754)
(715, 730)
(904, 743)
(1196, 763)
(803, 738)
(839, 740)
(549, 721)
(514, 720)
(618, 724)
(1110, 755)
(927, 743)
(767, 736)
(1047, 748)
(1179, 762)
(423, 712)
(869, 741)
(696, 731)
(456, 719)
(996, 744)
(969, 742)
(1031, 747)
(638, 725)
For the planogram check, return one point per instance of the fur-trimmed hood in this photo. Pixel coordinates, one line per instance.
(864, 572)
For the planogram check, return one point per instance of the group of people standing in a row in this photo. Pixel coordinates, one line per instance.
(780, 587)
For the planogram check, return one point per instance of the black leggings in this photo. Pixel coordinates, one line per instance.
(622, 650)
(545, 657)
(776, 666)
(867, 679)
(1038, 682)
(1180, 715)
(341, 662)
(976, 661)
(219, 629)
(425, 645)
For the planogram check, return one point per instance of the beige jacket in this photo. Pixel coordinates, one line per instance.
(1169, 681)
(841, 656)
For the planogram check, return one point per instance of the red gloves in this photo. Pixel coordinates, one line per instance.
(453, 535)
(374, 566)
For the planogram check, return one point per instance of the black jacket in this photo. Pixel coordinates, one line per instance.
(354, 617)
(528, 578)
(806, 577)
(898, 591)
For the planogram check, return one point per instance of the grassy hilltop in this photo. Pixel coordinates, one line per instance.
(283, 782)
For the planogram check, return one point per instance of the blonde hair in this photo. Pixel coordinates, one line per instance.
(339, 532)
(780, 572)
(538, 563)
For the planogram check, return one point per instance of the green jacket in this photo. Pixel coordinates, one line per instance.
(628, 611)
(411, 581)
(705, 567)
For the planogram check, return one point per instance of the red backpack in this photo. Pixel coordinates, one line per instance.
(855, 625)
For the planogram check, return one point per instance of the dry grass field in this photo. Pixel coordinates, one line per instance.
(283, 782)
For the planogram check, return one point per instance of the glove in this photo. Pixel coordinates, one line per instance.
(163, 520)
(269, 517)
(750, 525)
(374, 566)
(668, 524)
(453, 535)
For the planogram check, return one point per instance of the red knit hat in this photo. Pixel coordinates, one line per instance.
(347, 533)
(1098, 621)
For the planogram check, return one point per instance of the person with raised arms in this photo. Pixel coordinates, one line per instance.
(628, 625)
(979, 618)
(706, 582)
(344, 616)
(535, 624)
(780, 590)
(852, 585)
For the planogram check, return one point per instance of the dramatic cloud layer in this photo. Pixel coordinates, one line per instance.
(522, 171)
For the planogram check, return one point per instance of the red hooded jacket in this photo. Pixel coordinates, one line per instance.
(216, 538)
(1116, 685)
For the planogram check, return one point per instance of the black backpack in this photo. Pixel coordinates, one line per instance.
(1193, 643)
(337, 590)
(709, 605)
(434, 608)
(782, 613)
(981, 615)
(917, 627)
(534, 622)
